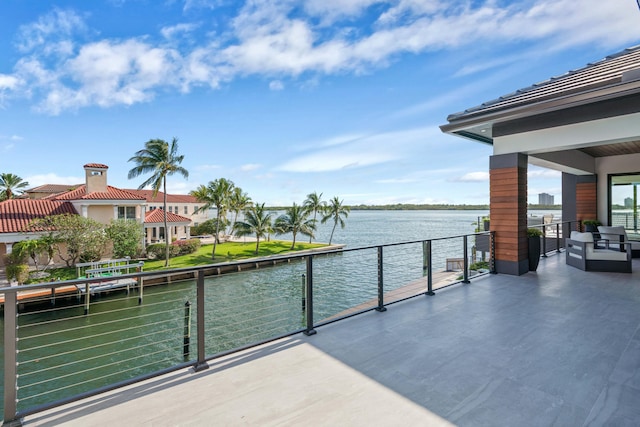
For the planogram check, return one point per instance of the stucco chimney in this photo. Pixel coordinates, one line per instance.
(96, 177)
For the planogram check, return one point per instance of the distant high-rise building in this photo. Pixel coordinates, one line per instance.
(545, 199)
(628, 203)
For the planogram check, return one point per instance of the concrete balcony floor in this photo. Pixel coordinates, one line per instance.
(554, 347)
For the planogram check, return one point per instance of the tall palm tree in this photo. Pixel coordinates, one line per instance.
(256, 221)
(160, 159)
(215, 194)
(313, 203)
(9, 183)
(336, 211)
(238, 202)
(295, 220)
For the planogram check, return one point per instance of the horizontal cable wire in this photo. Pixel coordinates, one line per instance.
(94, 347)
(75, 362)
(253, 319)
(94, 325)
(106, 365)
(92, 380)
(94, 336)
(92, 315)
(269, 307)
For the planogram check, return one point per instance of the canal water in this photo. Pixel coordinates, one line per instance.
(62, 352)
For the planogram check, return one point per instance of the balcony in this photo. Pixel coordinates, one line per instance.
(556, 347)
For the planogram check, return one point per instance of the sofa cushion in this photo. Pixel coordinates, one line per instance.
(582, 237)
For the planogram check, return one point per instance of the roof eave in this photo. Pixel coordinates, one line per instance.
(462, 125)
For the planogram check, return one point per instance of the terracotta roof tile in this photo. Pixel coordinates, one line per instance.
(96, 165)
(112, 193)
(171, 198)
(16, 214)
(52, 188)
(157, 216)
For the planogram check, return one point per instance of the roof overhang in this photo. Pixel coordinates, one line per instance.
(480, 126)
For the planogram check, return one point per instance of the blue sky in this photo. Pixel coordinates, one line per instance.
(285, 97)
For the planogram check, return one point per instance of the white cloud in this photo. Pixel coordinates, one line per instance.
(361, 152)
(284, 39)
(533, 172)
(177, 30)
(276, 85)
(49, 33)
(474, 177)
(250, 167)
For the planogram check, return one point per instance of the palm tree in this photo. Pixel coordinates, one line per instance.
(314, 203)
(9, 183)
(160, 159)
(238, 202)
(295, 221)
(256, 221)
(336, 211)
(215, 194)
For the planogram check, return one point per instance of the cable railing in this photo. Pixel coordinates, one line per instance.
(61, 347)
(554, 233)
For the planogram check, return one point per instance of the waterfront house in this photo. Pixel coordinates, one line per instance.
(584, 123)
(102, 202)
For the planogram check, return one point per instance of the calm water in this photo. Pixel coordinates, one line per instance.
(63, 352)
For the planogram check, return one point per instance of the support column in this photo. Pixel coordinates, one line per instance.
(579, 197)
(508, 212)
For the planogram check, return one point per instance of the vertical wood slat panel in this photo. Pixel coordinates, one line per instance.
(508, 195)
(586, 201)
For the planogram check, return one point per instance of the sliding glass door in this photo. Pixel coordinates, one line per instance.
(623, 201)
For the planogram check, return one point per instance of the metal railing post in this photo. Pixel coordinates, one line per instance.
(465, 263)
(544, 241)
(10, 357)
(381, 306)
(186, 341)
(201, 363)
(558, 237)
(304, 292)
(309, 330)
(429, 269)
(492, 260)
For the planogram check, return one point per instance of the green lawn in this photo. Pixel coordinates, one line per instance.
(230, 251)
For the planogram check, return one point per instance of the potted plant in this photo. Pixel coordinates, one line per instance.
(533, 238)
(591, 225)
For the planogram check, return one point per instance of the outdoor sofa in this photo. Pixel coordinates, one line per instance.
(617, 235)
(583, 253)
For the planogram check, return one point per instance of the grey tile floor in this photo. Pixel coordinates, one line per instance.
(554, 347)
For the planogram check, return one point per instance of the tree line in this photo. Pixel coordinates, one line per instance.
(161, 159)
(85, 239)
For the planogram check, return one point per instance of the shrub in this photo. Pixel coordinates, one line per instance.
(479, 265)
(187, 246)
(19, 272)
(157, 251)
(534, 232)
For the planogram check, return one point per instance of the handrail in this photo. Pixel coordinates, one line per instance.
(380, 301)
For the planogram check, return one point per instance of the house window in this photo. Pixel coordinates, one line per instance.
(186, 210)
(176, 209)
(126, 212)
(170, 209)
(195, 209)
